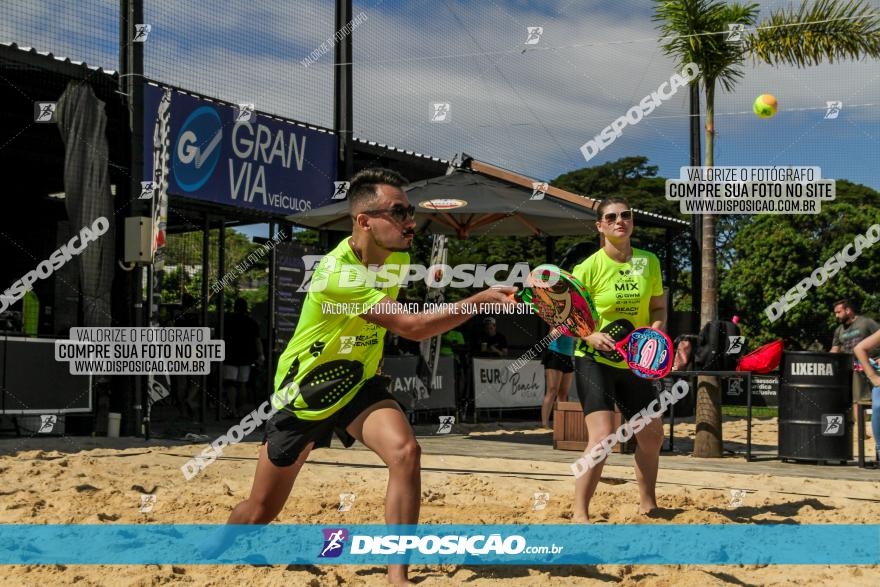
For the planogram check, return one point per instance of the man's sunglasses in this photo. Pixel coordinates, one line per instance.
(611, 217)
(397, 212)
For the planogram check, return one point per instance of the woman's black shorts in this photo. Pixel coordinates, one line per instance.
(287, 436)
(557, 361)
(600, 386)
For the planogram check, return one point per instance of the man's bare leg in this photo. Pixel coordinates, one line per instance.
(230, 387)
(271, 488)
(269, 493)
(599, 425)
(383, 428)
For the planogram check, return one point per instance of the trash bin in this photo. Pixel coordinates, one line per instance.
(113, 422)
(814, 405)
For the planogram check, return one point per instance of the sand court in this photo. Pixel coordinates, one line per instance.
(480, 474)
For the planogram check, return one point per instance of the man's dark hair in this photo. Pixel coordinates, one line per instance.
(847, 305)
(362, 190)
(240, 306)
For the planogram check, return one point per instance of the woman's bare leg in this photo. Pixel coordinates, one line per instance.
(564, 386)
(599, 426)
(551, 379)
(650, 441)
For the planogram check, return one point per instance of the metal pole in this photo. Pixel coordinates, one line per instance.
(670, 277)
(343, 110)
(860, 423)
(269, 351)
(671, 426)
(206, 231)
(221, 298)
(749, 415)
(131, 64)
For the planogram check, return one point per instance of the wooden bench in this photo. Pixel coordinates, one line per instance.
(862, 407)
(570, 429)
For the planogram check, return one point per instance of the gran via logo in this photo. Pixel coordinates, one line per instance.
(233, 155)
(198, 148)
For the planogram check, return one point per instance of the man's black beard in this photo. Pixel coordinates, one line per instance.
(393, 249)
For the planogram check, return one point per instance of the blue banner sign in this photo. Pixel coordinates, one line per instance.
(277, 544)
(233, 156)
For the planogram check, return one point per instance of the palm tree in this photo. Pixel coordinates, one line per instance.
(695, 31)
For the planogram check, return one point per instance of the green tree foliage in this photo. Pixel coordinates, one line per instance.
(774, 252)
(185, 249)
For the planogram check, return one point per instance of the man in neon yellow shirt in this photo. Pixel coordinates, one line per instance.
(326, 380)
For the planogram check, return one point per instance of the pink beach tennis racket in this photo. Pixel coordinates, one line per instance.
(647, 351)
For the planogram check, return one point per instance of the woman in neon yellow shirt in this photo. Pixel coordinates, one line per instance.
(625, 283)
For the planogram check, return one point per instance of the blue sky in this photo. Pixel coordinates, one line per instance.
(529, 112)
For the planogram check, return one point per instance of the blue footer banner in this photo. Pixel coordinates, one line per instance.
(279, 544)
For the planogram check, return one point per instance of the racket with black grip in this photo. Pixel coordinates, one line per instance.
(618, 330)
(646, 351)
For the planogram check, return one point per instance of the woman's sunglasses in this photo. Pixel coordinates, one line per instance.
(611, 217)
(397, 212)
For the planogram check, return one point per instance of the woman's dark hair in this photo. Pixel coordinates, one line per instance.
(607, 202)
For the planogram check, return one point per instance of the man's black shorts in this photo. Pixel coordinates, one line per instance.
(286, 435)
(557, 361)
(599, 386)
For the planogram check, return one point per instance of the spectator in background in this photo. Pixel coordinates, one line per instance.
(853, 329)
(558, 374)
(862, 350)
(30, 313)
(451, 343)
(243, 348)
(489, 342)
(186, 387)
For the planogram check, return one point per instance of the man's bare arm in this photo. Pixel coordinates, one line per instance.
(424, 325)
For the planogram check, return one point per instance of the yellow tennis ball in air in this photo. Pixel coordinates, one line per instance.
(765, 106)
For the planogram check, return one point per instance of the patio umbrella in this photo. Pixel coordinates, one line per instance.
(479, 199)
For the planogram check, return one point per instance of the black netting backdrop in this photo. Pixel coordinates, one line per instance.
(86, 30)
(245, 52)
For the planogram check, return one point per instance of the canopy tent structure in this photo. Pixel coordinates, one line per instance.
(478, 198)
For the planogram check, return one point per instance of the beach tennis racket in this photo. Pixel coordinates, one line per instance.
(561, 300)
(646, 351)
(618, 330)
